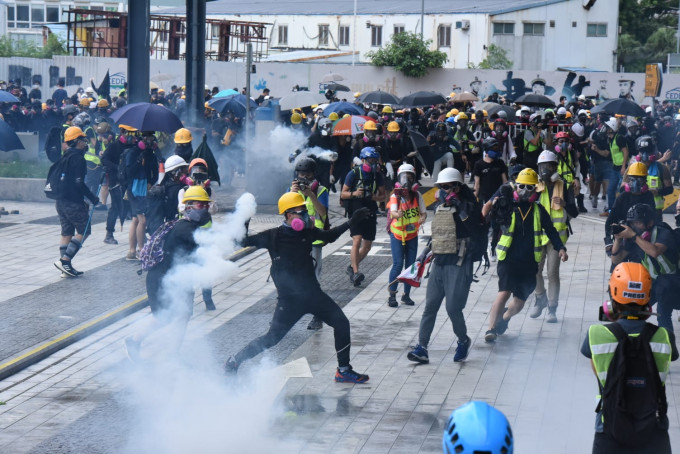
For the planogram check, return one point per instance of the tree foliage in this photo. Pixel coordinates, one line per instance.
(496, 59)
(25, 48)
(409, 54)
(648, 32)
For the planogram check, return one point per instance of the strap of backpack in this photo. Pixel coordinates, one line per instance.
(645, 338)
(621, 336)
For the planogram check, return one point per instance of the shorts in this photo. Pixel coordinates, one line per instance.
(519, 280)
(365, 228)
(137, 204)
(73, 217)
(600, 170)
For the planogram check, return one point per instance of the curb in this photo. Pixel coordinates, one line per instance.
(63, 340)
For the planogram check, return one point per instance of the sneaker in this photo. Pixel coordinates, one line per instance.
(582, 209)
(101, 207)
(110, 239)
(66, 276)
(132, 349)
(315, 324)
(131, 256)
(210, 305)
(462, 350)
(418, 354)
(604, 197)
(490, 336)
(350, 376)
(357, 279)
(350, 271)
(65, 267)
(551, 317)
(604, 214)
(231, 366)
(501, 324)
(392, 300)
(539, 305)
(406, 299)
(594, 202)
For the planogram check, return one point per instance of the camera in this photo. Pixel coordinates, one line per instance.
(302, 183)
(502, 209)
(617, 228)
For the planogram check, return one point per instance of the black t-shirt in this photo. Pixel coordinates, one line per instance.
(490, 177)
(663, 236)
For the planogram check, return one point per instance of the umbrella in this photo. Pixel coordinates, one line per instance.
(466, 96)
(535, 100)
(336, 87)
(300, 99)
(146, 116)
(234, 103)
(344, 107)
(227, 92)
(350, 125)
(8, 138)
(422, 98)
(493, 108)
(162, 77)
(6, 96)
(620, 106)
(421, 144)
(153, 86)
(378, 97)
(413, 275)
(203, 151)
(332, 77)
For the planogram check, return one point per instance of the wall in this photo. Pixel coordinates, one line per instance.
(281, 77)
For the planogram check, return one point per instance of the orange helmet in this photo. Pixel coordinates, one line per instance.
(630, 283)
(197, 161)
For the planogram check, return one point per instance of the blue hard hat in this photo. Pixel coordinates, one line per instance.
(369, 152)
(477, 427)
(451, 120)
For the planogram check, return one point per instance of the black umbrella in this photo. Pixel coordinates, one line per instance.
(8, 138)
(378, 97)
(421, 144)
(620, 106)
(6, 96)
(535, 100)
(203, 151)
(147, 117)
(337, 87)
(422, 98)
(493, 108)
(235, 104)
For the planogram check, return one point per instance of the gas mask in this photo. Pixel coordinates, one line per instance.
(304, 183)
(548, 173)
(201, 216)
(525, 195)
(406, 183)
(636, 185)
(369, 135)
(393, 135)
(462, 125)
(646, 157)
(304, 222)
(368, 167)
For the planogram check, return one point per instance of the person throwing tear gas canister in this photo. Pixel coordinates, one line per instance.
(299, 292)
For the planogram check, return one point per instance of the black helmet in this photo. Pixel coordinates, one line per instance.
(645, 145)
(441, 127)
(489, 143)
(640, 212)
(306, 165)
(69, 110)
(372, 114)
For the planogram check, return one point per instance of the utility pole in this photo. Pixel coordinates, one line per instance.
(195, 58)
(138, 44)
(354, 32)
(249, 66)
(422, 18)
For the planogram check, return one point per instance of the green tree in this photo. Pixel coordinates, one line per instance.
(496, 59)
(409, 54)
(24, 48)
(648, 30)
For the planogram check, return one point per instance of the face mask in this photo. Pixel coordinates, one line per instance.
(366, 167)
(524, 195)
(635, 186)
(200, 216)
(493, 154)
(304, 222)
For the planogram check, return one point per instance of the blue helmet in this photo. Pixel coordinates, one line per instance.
(477, 427)
(451, 120)
(369, 152)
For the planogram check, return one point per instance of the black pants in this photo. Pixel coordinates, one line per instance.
(289, 309)
(116, 208)
(660, 443)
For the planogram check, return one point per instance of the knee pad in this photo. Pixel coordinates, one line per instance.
(72, 248)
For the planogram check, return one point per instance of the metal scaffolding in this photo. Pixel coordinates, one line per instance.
(104, 34)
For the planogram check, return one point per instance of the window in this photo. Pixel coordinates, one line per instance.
(343, 35)
(596, 30)
(23, 16)
(323, 34)
(533, 29)
(444, 36)
(399, 29)
(37, 14)
(376, 35)
(214, 31)
(283, 35)
(52, 14)
(503, 28)
(31, 16)
(10, 17)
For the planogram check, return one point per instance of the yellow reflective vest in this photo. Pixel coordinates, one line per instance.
(506, 238)
(559, 217)
(319, 222)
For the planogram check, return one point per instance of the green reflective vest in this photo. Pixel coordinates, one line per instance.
(655, 182)
(566, 168)
(559, 217)
(617, 154)
(529, 147)
(91, 153)
(506, 238)
(659, 265)
(319, 222)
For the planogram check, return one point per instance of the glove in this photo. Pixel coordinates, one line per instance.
(95, 202)
(332, 179)
(358, 216)
(390, 170)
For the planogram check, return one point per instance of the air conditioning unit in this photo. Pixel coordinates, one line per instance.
(463, 24)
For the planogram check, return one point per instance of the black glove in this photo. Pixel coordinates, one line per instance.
(359, 215)
(95, 202)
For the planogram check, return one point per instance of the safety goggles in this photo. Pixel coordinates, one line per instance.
(528, 187)
(299, 212)
(199, 205)
(448, 186)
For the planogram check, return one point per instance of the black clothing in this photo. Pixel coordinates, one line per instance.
(110, 160)
(490, 177)
(663, 236)
(441, 145)
(75, 188)
(59, 95)
(521, 250)
(622, 203)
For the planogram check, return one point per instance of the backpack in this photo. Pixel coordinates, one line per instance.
(53, 144)
(152, 253)
(56, 178)
(125, 164)
(633, 394)
(155, 208)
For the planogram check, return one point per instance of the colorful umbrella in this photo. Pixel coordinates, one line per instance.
(413, 275)
(350, 126)
(224, 93)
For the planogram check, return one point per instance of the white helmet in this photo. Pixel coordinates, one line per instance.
(174, 162)
(547, 156)
(578, 129)
(89, 90)
(449, 175)
(611, 124)
(562, 111)
(535, 116)
(582, 112)
(406, 168)
(648, 109)
(518, 113)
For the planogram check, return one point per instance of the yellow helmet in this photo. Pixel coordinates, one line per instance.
(637, 169)
(290, 200)
(183, 135)
(296, 109)
(44, 106)
(296, 118)
(346, 116)
(448, 114)
(473, 117)
(127, 128)
(196, 194)
(387, 110)
(207, 106)
(103, 103)
(462, 116)
(357, 94)
(486, 114)
(370, 126)
(392, 126)
(333, 116)
(85, 102)
(452, 94)
(73, 133)
(527, 176)
(454, 112)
